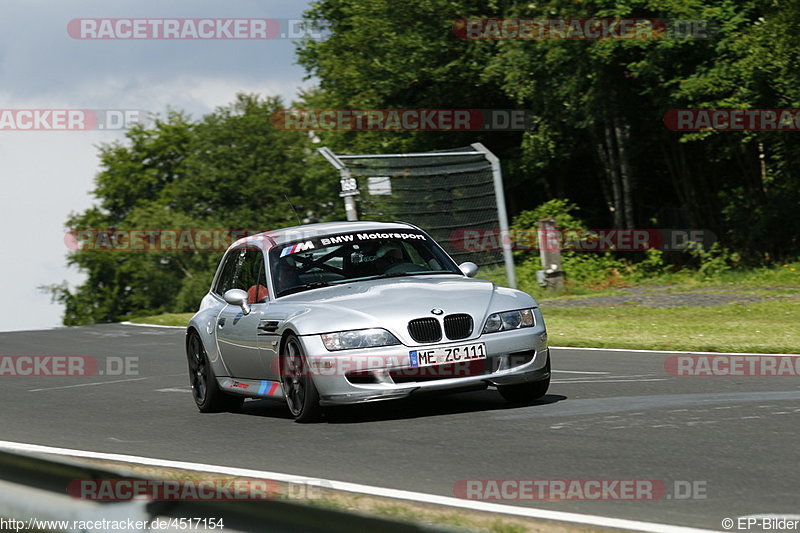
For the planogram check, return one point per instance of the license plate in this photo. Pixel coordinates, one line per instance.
(450, 354)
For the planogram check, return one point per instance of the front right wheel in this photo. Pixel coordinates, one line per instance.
(298, 386)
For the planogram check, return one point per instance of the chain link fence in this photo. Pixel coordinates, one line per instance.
(451, 194)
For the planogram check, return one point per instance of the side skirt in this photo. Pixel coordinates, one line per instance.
(251, 388)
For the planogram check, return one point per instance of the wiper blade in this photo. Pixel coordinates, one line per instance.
(303, 287)
(396, 275)
(418, 273)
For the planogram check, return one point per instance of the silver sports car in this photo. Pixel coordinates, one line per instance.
(349, 312)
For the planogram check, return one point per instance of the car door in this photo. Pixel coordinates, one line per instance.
(238, 333)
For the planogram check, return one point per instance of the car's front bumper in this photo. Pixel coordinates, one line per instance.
(513, 357)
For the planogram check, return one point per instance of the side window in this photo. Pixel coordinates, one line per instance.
(262, 294)
(226, 276)
(244, 269)
(251, 277)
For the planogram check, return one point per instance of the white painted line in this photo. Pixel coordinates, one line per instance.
(51, 328)
(87, 384)
(420, 497)
(671, 351)
(610, 377)
(173, 390)
(608, 381)
(151, 325)
(578, 372)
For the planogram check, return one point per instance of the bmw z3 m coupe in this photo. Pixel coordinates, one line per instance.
(348, 312)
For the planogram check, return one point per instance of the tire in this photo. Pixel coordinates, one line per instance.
(299, 390)
(206, 393)
(526, 392)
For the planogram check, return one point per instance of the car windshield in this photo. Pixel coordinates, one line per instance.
(359, 256)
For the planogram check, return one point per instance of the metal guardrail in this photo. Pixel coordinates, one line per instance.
(35, 487)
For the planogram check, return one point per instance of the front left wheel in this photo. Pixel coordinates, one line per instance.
(207, 395)
(298, 386)
(526, 392)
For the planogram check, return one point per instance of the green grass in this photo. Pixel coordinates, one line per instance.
(769, 327)
(169, 319)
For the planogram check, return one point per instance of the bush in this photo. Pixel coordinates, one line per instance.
(713, 261)
(594, 271)
(652, 266)
(559, 209)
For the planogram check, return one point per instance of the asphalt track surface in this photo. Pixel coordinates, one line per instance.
(608, 415)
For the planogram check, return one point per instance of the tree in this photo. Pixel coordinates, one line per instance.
(600, 138)
(232, 170)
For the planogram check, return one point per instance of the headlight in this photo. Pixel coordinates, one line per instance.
(522, 318)
(360, 338)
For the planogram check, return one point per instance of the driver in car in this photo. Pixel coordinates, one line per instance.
(287, 276)
(387, 256)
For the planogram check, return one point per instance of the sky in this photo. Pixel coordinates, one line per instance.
(46, 175)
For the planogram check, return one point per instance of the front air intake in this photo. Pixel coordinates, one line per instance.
(425, 330)
(458, 326)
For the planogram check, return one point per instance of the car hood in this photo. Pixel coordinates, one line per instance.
(391, 303)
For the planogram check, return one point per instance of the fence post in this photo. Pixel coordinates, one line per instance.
(502, 216)
(551, 276)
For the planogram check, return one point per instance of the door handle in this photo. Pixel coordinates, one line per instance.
(221, 322)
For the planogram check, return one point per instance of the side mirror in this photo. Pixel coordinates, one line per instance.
(238, 297)
(469, 269)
